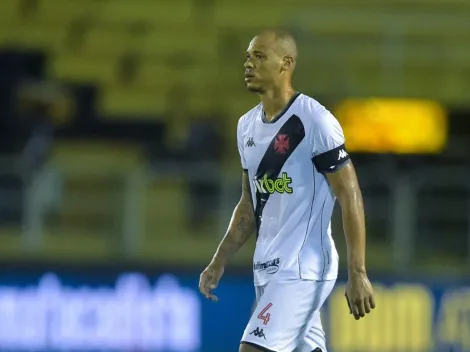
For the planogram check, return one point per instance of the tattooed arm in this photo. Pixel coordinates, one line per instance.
(241, 226)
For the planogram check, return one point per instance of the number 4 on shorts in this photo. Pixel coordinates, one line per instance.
(265, 316)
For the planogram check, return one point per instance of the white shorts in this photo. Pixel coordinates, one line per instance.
(287, 316)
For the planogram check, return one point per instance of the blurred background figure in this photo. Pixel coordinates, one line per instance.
(119, 167)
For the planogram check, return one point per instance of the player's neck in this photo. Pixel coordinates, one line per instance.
(275, 100)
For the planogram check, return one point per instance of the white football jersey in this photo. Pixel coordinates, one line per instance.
(286, 160)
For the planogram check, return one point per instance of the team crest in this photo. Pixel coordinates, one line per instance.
(281, 143)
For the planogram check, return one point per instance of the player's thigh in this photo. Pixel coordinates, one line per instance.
(283, 314)
(314, 338)
(247, 347)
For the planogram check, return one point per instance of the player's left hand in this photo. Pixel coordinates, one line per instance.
(209, 280)
(359, 295)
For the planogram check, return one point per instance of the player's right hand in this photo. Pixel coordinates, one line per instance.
(209, 280)
(359, 295)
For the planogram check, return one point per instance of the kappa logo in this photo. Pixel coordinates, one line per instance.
(342, 154)
(250, 142)
(258, 333)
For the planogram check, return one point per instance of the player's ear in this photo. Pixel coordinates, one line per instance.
(288, 63)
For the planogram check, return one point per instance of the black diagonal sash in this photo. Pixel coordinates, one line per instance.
(274, 159)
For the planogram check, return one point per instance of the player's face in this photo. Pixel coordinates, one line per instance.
(263, 65)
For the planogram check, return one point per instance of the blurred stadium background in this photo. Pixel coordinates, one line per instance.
(119, 168)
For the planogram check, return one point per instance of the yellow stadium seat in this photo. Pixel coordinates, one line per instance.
(83, 157)
(184, 41)
(436, 3)
(106, 41)
(162, 12)
(257, 14)
(9, 10)
(205, 76)
(160, 73)
(153, 74)
(394, 3)
(33, 35)
(122, 101)
(152, 97)
(171, 192)
(62, 11)
(338, 41)
(83, 69)
(239, 102)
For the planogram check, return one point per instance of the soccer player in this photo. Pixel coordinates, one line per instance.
(295, 166)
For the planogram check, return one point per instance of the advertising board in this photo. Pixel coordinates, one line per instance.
(137, 311)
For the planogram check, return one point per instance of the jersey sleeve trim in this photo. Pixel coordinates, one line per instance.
(332, 160)
(240, 142)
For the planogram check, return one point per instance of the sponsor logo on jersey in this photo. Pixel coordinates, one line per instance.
(271, 266)
(279, 185)
(342, 154)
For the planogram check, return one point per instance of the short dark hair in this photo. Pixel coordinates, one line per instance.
(286, 38)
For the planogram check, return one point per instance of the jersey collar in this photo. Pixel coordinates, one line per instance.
(278, 116)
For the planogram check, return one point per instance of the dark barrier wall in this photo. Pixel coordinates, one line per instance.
(99, 309)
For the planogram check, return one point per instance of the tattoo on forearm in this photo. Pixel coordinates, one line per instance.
(246, 222)
(245, 225)
(242, 225)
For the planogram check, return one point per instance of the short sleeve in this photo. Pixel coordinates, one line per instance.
(240, 142)
(329, 151)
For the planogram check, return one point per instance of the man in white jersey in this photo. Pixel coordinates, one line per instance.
(295, 165)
